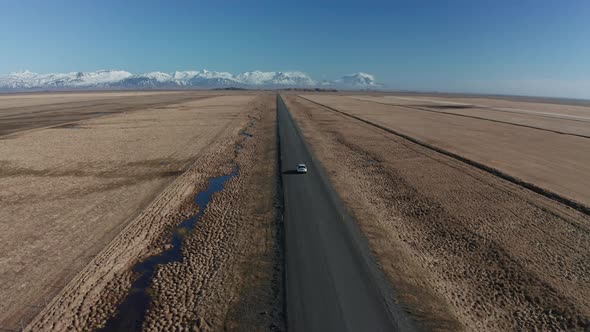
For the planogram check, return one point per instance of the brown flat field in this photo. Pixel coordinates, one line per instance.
(27, 111)
(463, 248)
(20, 100)
(83, 200)
(545, 149)
(566, 119)
(475, 207)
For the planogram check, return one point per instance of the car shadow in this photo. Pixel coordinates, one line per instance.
(291, 171)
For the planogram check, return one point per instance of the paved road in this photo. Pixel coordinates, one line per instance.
(332, 283)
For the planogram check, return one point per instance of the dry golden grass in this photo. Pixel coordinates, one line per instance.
(66, 192)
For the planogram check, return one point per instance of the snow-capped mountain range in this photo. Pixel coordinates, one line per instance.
(360, 80)
(119, 79)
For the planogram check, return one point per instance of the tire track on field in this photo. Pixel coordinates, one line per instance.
(527, 185)
(85, 116)
(422, 109)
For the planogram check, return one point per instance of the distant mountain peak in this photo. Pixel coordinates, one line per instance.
(192, 78)
(358, 80)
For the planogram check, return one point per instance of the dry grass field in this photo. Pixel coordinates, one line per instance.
(559, 118)
(559, 162)
(94, 183)
(463, 248)
(80, 202)
(27, 111)
(18, 101)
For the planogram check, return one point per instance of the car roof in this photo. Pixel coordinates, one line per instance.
(299, 165)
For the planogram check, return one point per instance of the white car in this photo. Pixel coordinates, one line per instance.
(301, 168)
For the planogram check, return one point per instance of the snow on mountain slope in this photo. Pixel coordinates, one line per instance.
(290, 78)
(148, 80)
(358, 80)
(206, 78)
(255, 77)
(202, 78)
(158, 76)
(293, 78)
(27, 79)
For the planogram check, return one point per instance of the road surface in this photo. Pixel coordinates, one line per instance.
(332, 282)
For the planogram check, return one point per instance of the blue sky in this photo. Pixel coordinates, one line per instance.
(518, 46)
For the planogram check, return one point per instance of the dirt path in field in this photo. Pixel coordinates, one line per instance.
(463, 248)
(230, 258)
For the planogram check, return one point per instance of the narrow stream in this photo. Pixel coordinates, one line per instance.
(245, 133)
(131, 312)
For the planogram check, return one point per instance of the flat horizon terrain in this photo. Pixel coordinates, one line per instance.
(68, 191)
(546, 145)
(463, 248)
(94, 185)
(36, 110)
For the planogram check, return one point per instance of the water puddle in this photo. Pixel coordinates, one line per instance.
(131, 312)
(244, 133)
